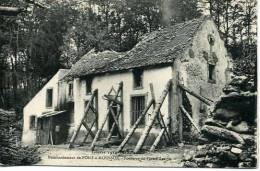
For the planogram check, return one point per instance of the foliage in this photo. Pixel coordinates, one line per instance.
(236, 21)
(36, 43)
(11, 150)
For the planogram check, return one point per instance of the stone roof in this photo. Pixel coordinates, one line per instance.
(92, 63)
(63, 73)
(156, 48)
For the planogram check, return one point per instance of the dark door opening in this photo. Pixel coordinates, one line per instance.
(60, 128)
(43, 130)
(111, 121)
(53, 129)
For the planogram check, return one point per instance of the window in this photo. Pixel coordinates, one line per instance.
(88, 85)
(211, 72)
(71, 89)
(137, 107)
(49, 97)
(211, 39)
(138, 78)
(32, 122)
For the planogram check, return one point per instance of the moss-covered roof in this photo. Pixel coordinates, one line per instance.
(158, 47)
(93, 63)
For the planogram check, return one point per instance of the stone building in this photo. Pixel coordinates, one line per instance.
(191, 53)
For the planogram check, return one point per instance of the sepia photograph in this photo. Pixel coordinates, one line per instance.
(128, 83)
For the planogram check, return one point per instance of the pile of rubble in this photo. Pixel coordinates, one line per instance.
(229, 136)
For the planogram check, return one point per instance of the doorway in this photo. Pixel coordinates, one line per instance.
(111, 120)
(53, 129)
(43, 131)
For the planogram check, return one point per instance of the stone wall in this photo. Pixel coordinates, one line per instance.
(206, 48)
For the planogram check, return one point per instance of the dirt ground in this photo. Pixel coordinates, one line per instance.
(83, 156)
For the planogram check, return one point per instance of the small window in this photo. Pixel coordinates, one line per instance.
(88, 86)
(137, 108)
(211, 39)
(71, 89)
(49, 97)
(32, 122)
(138, 78)
(211, 72)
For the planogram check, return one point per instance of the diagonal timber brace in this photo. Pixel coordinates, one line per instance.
(205, 100)
(119, 91)
(114, 126)
(131, 132)
(157, 108)
(189, 117)
(82, 122)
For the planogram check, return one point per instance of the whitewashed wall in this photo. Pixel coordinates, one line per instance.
(157, 76)
(37, 106)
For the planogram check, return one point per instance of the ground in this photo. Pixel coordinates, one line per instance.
(83, 156)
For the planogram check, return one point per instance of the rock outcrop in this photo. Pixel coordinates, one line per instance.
(228, 138)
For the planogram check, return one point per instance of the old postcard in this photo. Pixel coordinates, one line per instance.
(143, 83)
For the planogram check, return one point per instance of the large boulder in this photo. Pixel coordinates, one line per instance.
(222, 133)
(234, 104)
(215, 122)
(225, 114)
(242, 127)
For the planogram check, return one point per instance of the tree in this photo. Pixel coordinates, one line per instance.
(236, 20)
(175, 11)
(30, 50)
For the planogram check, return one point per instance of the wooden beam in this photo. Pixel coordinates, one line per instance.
(164, 126)
(88, 129)
(93, 109)
(161, 126)
(106, 117)
(201, 98)
(75, 134)
(148, 127)
(157, 140)
(159, 114)
(116, 123)
(114, 117)
(152, 94)
(180, 102)
(51, 135)
(113, 126)
(204, 96)
(189, 117)
(10, 11)
(86, 136)
(131, 132)
(114, 100)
